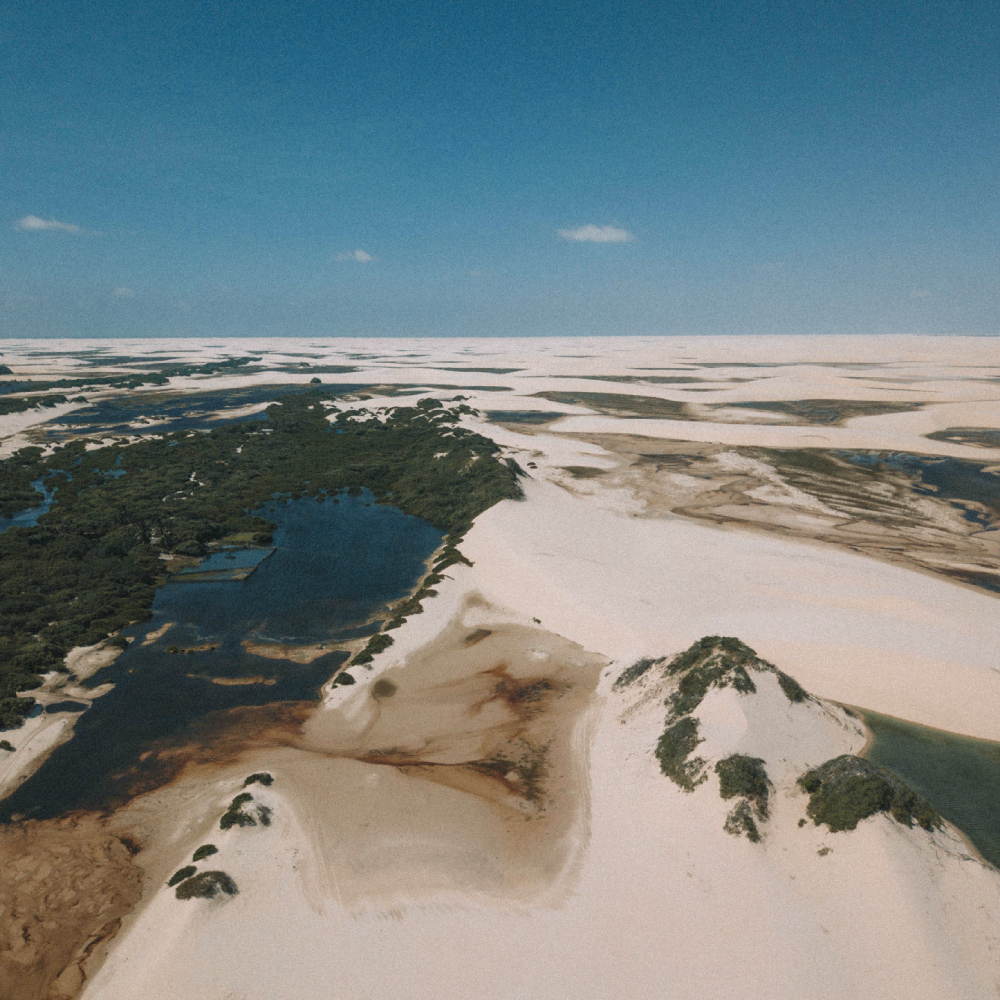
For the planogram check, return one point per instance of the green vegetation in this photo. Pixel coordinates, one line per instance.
(740, 820)
(17, 473)
(7, 745)
(235, 816)
(343, 678)
(745, 777)
(264, 815)
(12, 404)
(717, 672)
(207, 885)
(260, 778)
(720, 661)
(205, 851)
(376, 644)
(794, 691)
(848, 789)
(714, 661)
(673, 751)
(182, 873)
(91, 565)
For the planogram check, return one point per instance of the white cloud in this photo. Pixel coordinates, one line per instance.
(920, 293)
(359, 255)
(123, 293)
(33, 223)
(596, 234)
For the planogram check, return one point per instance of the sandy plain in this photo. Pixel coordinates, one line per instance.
(483, 816)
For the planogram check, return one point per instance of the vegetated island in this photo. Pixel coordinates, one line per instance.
(93, 562)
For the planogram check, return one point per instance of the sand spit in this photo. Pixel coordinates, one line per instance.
(280, 651)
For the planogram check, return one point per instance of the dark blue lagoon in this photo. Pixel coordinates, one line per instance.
(335, 566)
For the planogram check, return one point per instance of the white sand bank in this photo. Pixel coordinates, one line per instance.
(847, 627)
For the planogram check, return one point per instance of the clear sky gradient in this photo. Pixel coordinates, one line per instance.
(352, 167)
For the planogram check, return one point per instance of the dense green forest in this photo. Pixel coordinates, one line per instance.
(92, 563)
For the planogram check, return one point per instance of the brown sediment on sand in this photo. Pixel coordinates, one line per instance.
(280, 651)
(66, 886)
(811, 494)
(463, 769)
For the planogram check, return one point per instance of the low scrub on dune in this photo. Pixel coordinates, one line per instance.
(673, 751)
(713, 662)
(631, 674)
(235, 814)
(207, 885)
(743, 776)
(178, 876)
(205, 851)
(848, 789)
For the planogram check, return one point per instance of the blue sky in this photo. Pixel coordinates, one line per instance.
(438, 168)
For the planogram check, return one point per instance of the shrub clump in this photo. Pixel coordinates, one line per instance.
(746, 777)
(182, 873)
(235, 816)
(205, 851)
(673, 751)
(740, 820)
(207, 885)
(631, 674)
(721, 661)
(260, 778)
(376, 644)
(848, 789)
(7, 745)
(794, 691)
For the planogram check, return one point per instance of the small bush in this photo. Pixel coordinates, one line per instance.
(205, 851)
(673, 751)
(264, 815)
(260, 778)
(794, 691)
(744, 776)
(6, 745)
(631, 674)
(848, 789)
(235, 816)
(695, 684)
(207, 885)
(182, 873)
(343, 678)
(376, 644)
(740, 820)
